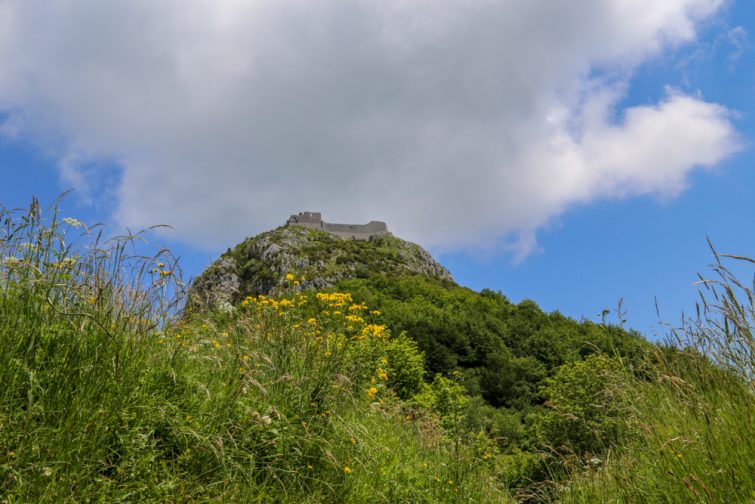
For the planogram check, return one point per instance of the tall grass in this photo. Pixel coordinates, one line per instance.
(106, 396)
(77, 318)
(693, 439)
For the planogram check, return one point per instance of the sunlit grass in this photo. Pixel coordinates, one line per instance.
(693, 437)
(110, 393)
(108, 396)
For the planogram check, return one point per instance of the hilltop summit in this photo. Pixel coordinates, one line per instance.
(321, 253)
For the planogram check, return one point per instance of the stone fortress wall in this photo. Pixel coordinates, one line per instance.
(313, 220)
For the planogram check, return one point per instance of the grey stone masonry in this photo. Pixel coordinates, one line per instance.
(313, 220)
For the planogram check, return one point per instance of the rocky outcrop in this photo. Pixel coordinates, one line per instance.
(317, 259)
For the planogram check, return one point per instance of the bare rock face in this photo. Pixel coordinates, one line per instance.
(318, 260)
(219, 284)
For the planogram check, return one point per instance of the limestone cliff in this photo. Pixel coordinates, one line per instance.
(260, 264)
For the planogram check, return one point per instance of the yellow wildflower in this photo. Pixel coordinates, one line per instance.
(347, 470)
(334, 299)
(374, 330)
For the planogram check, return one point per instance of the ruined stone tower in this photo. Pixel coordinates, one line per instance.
(313, 220)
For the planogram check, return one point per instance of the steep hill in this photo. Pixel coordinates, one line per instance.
(503, 353)
(259, 264)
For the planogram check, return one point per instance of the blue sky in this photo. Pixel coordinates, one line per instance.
(463, 167)
(643, 249)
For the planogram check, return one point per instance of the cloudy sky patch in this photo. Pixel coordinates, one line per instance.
(460, 123)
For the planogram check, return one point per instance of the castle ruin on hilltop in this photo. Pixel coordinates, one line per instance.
(313, 220)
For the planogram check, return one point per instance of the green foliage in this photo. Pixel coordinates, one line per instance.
(694, 439)
(447, 399)
(501, 352)
(405, 366)
(503, 425)
(107, 397)
(587, 406)
(511, 381)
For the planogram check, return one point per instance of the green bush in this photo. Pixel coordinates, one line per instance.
(405, 366)
(586, 406)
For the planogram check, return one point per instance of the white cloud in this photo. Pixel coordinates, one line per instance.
(458, 122)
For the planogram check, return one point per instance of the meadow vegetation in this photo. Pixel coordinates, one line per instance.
(385, 388)
(109, 395)
(692, 437)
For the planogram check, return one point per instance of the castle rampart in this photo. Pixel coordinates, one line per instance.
(313, 220)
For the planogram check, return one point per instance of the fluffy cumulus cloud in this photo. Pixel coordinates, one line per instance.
(459, 122)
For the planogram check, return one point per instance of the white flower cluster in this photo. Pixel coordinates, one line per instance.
(74, 223)
(225, 307)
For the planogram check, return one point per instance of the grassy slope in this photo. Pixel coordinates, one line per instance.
(105, 397)
(694, 442)
(693, 437)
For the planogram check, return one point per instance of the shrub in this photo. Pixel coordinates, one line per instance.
(587, 406)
